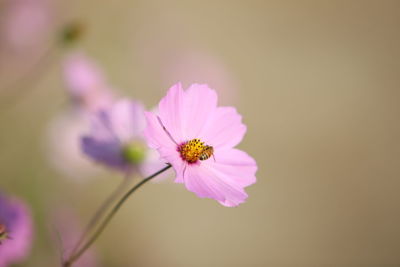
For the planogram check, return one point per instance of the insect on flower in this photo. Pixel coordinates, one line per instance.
(16, 230)
(207, 153)
(188, 130)
(190, 151)
(3, 233)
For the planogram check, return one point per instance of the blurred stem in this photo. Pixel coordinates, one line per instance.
(101, 211)
(12, 93)
(107, 220)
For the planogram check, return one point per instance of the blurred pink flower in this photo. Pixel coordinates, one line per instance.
(25, 22)
(198, 139)
(25, 29)
(86, 83)
(15, 231)
(116, 139)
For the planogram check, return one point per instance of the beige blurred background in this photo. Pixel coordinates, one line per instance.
(318, 85)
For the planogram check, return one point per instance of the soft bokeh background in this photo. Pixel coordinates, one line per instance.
(318, 84)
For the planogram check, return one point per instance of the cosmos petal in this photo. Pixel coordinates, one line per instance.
(82, 76)
(107, 152)
(170, 111)
(225, 130)
(127, 119)
(234, 164)
(199, 104)
(206, 183)
(185, 113)
(155, 135)
(86, 83)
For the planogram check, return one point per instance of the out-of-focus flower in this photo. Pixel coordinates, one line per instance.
(86, 83)
(198, 139)
(15, 230)
(25, 22)
(63, 145)
(69, 230)
(89, 91)
(25, 28)
(116, 139)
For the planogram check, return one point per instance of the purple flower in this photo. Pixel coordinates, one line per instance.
(116, 139)
(198, 139)
(15, 230)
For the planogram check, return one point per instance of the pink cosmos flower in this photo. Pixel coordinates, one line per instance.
(15, 231)
(89, 91)
(86, 83)
(198, 138)
(116, 140)
(25, 22)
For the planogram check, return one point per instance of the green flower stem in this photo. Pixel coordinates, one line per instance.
(102, 209)
(106, 221)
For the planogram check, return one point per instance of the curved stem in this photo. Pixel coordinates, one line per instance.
(101, 210)
(11, 94)
(107, 220)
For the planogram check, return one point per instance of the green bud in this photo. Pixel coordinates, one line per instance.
(72, 32)
(134, 153)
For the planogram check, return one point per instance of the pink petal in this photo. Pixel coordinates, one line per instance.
(86, 83)
(223, 179)
(207, 184)
(185, 113)
(25, 23)
(101, 126)
(225, 129)
(155, 135)
(235, 164)
(170, 110)
(82, 76)
(199, 105)
(127, 119)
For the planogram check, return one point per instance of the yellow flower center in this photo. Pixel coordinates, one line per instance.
(194, 150)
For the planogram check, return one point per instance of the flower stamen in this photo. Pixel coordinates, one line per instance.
(194, 150)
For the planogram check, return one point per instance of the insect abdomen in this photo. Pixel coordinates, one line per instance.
(206, 153)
